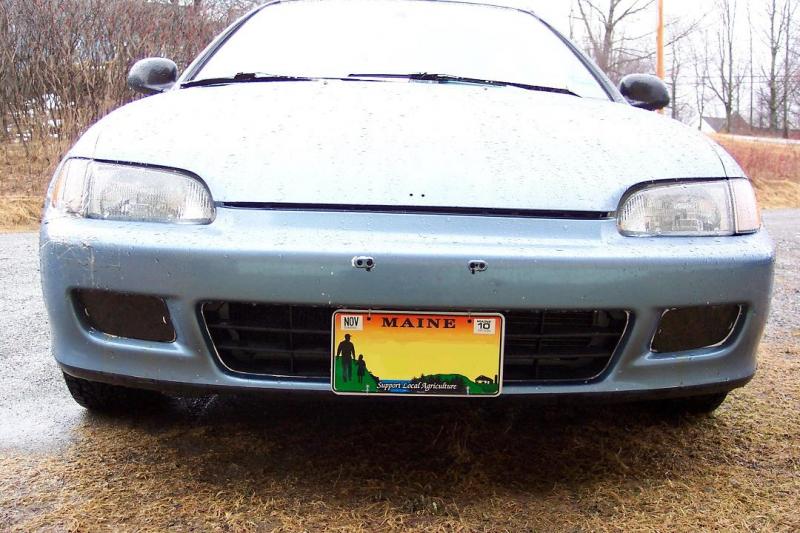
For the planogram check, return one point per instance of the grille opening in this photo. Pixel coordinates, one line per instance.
(274, 340)
(295, 341)
(132, 316)
(694, 328)
(560, 345)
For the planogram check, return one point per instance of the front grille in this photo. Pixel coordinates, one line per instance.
(272, 340)
(295, 341)
(560, 345)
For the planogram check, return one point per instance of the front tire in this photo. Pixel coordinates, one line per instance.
(693, 405)
(105, 398)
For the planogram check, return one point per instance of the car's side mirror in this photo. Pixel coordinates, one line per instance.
(645, 91)
(153, 75)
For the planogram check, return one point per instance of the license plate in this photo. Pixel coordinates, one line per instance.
(417, 354)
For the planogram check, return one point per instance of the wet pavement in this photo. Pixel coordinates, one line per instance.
(37, 413)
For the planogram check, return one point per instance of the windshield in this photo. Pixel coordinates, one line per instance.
(337, 38)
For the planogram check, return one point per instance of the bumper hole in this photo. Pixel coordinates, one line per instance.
(130, 316)
(693, 328)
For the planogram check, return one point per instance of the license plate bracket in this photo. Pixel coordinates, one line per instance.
(400, 353)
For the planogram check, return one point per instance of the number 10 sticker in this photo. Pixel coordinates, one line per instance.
(485, 326)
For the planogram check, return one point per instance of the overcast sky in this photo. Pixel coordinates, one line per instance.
(557, 11)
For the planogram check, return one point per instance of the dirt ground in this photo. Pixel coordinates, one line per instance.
(303, 465)
(308, 463)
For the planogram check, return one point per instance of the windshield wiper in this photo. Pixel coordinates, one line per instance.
(255, 77)
(243, 77)
(450, 78)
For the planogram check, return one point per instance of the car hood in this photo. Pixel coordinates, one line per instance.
(404, 144)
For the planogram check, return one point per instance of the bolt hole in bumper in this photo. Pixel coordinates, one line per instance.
(289, 259)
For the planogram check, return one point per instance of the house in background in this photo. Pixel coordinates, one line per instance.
(700, 123)
(739, 126)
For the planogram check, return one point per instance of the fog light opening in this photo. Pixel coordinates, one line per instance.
(130, 316)
(695, 328)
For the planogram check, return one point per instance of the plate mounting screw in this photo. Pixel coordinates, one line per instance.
(364, 262)
(477, 265)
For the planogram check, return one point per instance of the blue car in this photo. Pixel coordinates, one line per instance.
(325, 168)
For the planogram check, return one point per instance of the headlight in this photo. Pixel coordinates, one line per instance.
(109, 191)
(691, 209)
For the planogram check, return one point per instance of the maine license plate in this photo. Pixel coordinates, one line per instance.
(423, 354)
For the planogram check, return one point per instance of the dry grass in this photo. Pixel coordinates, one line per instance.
(303, 465)
(25, 171)
(20, 212)
(24, 175)
(773, 167)
(783, 194)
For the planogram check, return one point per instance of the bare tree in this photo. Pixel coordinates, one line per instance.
(725, 76)
(752, 65)
(700, 62)
(63, 63)
(680, 52)
(612, 49)
(673, 76)
(789, 12)
(679, 63)
(777, 18)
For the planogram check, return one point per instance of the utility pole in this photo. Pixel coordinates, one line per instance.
(660, 46)
(789, 13)
(660, 39)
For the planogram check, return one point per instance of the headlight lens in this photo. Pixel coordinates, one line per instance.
(691, 209)
(745, 207)
(109, 191)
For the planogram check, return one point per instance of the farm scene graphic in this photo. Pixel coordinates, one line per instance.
(417, 354)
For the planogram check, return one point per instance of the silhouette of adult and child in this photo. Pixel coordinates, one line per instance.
(347, 351)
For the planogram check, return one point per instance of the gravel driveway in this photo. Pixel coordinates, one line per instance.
(784, 320)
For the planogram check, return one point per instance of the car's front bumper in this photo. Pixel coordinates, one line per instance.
(304, 258)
